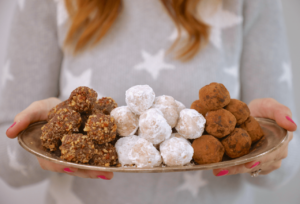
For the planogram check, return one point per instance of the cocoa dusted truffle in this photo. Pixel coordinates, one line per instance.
(104, 105)
(101, 128)
(214, 96)
(196, 105)
(239, 109)
(59, 106)
(219, 123)
(104, 155)
(77, 148)
(253, 128)
(237, 144)
(207, 149)
(82, 99)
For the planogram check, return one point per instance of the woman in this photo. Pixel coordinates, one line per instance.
(113, 45)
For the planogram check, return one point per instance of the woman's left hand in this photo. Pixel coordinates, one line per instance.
(266, 108)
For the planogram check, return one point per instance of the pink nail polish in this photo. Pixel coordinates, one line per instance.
(12, 125)
(102, 177)
(223, 173)
(254, 165)
(290, 119)
(68, 170)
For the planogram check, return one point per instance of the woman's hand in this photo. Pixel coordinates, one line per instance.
(266, 108)
(38, 111)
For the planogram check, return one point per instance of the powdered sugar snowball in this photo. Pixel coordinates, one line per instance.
(139, 98)
(176, 151)
(123, 147)
(127, 122)
(190, 124)
(180, 106)
(154, 127)
(144, 154)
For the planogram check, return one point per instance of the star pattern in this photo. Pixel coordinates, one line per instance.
(13, 162)
(21, 4)
(234, 72)
(287, 74)
(62, 13)
(192, 182)
(6, 75)
(153, 63)
(174, 35)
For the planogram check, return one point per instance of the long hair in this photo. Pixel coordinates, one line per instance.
(91, 19)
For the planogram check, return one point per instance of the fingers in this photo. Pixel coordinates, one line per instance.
(50, 166)
(270, 108)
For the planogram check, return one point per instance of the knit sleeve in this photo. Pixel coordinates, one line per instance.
(266, 72)
(30, 73)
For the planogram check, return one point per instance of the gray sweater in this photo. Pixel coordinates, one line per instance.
(246, 52)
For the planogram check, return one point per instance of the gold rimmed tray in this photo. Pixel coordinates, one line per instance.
(274, 137)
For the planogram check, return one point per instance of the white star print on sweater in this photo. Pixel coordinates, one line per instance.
(21, 4)
(192, 182)
(287, 74)
(62, 13)
(6, 75)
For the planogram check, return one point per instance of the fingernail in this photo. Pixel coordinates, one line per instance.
(102, 177)
(290, 119)
(223, 173)
(12, 125)
(254, 165)
(68, 170)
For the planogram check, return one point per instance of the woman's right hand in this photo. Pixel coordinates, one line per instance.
(38, 111)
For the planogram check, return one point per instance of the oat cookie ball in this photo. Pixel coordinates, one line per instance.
(169, 108)
(190, 124)
(127, 122)
(101, 128)
(123, 147)
(139, 98)
(207, 149)
(253, 128)
(104, 155)
(77, 148)
(52, 112)
(239, 109)
(154, 127)
(82, 99)
(219, 123)
(144, 154)
(104, 105)
(196, 105)
(214, 96)
(237, 144)
(176, 151)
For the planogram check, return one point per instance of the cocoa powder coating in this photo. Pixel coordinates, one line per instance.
(253, 128)
(199, 107)
(239, 109)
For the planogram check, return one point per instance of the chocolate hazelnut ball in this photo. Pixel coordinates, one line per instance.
(239, 109)
(253, 128)
(198, 107)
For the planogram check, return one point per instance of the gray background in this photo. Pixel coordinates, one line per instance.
(288, 194)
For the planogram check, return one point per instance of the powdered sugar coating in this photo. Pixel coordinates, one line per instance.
(139, 98)
(127, 122)
(176, 151)
(154, 127)
(190, 124)
(168, 107)
(123, 147)
(144, 154)
(180, 106)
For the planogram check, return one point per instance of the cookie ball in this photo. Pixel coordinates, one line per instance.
(53, 111)
(180, 106)
(104, 155)
(176, 151)
(207, 149)
(104, 105)
(214, 96)
(196, 105)
(49, 139)
(237, 144)
(253, 128)
(190, 124)
(168, 106)
(101, 128)
(144, 154)
(127, 122)
(154, 127)
(123, 147)
(220, 123)
(82, 99)
(239, 109)
(84, 118)
(77, 148)
(139, 98)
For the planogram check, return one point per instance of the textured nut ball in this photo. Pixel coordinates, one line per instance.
(220, 123)
(237, 144)
(196, 105)
(82, 99)
(239, 109)
(59, 106)
(104, 155)
(214, 96)
(104, 105)
(253, 128)
(207, 149)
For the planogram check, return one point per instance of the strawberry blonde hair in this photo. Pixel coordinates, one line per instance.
(91, 19)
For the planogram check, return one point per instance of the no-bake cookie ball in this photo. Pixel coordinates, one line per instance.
(53, 111)
(82, 99)
(196, 105)
(239, 109)
(104, 155)
(214, 96)
(237, 144)
(253, 128)
(104, 105)
(207, 149)
(123, 147)
(220, 123)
